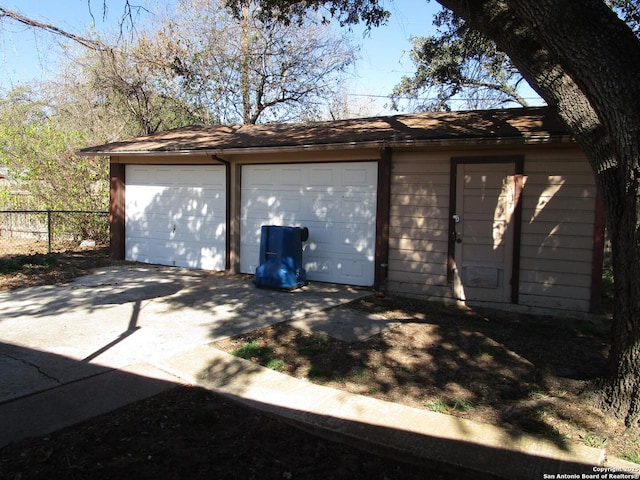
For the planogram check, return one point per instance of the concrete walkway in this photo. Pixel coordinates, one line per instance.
(69, 353)
(390, 429)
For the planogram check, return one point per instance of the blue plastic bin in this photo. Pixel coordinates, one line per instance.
(281, 257)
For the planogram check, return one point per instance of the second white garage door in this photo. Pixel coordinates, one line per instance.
(336, 201)
(176, 215)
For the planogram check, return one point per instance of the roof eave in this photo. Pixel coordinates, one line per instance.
(237, 150)
(532, 139)
(528, 139)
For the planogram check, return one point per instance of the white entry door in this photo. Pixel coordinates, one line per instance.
(176, 215)
(485, 204)
(336, 201)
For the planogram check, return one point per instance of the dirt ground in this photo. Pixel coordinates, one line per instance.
(35, 267)
(531, 373)
(190, 433)
(526, 372)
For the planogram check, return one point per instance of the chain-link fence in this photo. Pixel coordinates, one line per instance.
(47, 231)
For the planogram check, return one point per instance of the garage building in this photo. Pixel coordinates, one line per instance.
(496, 206)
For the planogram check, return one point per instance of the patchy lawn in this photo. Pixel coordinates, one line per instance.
(526, 372)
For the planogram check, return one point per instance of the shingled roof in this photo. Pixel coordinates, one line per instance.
(517, 124)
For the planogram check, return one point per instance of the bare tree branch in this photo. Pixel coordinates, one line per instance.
(47, 27)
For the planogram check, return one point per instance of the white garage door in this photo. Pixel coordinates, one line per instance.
(175, 215)
(336, 201)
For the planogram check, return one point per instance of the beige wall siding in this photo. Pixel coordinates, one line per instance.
(557, 227)
(418, 224)
(557, 231)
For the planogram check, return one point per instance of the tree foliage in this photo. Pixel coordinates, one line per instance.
(38, 151)
(131, 85)
(348, 12)
(459, 66)
(197, 65)
(243, 70)
(202, 65)
(629, 12)
(462, 68)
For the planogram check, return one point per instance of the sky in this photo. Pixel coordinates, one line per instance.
(384, 52)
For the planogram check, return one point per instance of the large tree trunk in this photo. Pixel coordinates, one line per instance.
(621, 385)
(585, 63)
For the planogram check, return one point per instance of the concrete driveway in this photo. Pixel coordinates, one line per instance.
(127, 316)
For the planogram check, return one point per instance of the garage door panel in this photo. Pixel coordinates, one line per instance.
(341, 241)
(142, 198)
(177, 254)
(353, 209)
(180, 199)
(250, 230)
(149, 250)
(199, 228)
(257, 177)
(359, 176)
(321, 177)
(291, 176)
(360, 208)
(337, 202)
(352, 270)
(140, 175)
(174, 175)
(265, 203)
(176, 215)
(345, 252)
